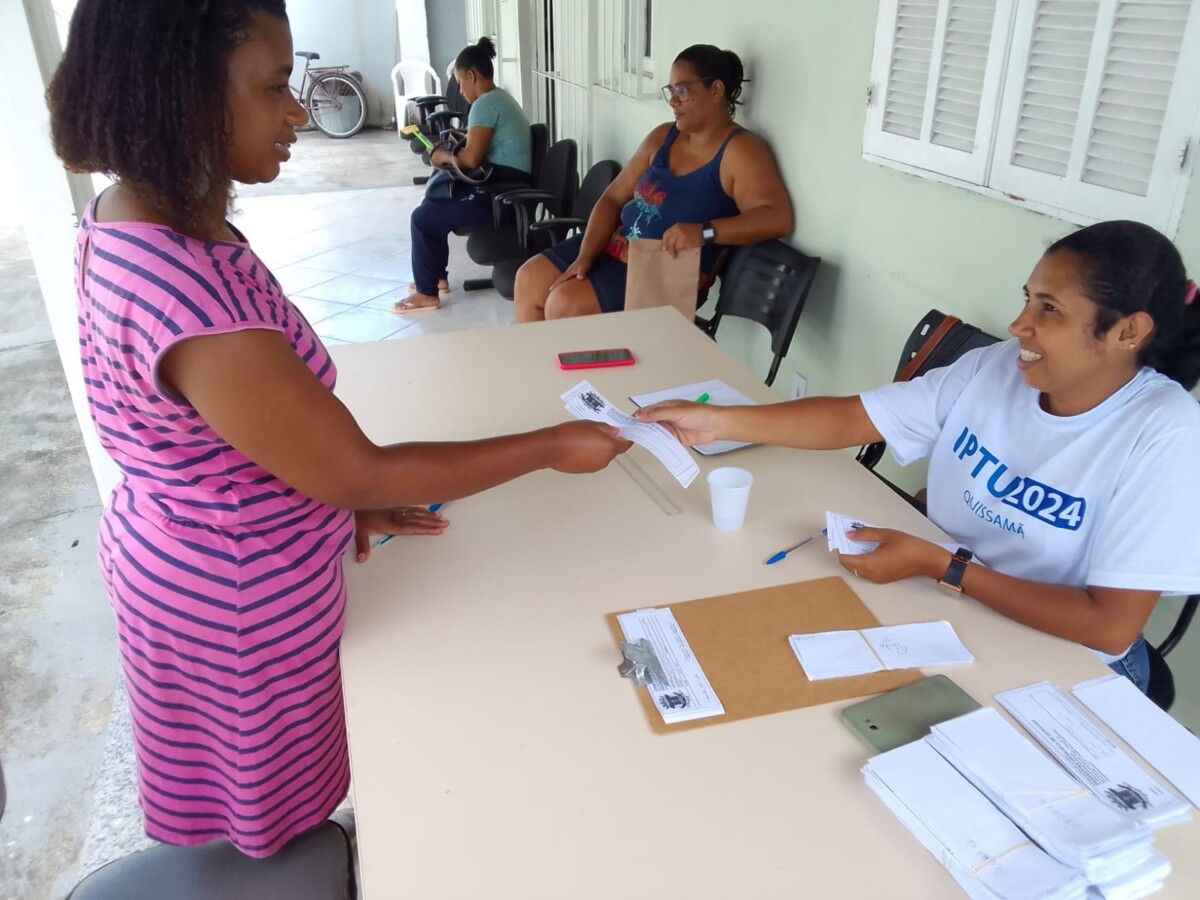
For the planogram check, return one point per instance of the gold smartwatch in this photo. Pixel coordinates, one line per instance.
(955, 571)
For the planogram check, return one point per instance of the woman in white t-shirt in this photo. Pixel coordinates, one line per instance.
(1064, 459)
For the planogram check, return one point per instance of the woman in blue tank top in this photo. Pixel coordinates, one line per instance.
(700, 181)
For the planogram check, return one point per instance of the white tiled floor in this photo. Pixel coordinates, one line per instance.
(344, 259)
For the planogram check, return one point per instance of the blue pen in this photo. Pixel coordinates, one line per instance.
(436, 506)
(782, 553)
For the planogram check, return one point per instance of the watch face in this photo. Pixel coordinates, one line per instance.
(708, 233)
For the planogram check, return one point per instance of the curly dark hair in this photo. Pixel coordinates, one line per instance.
(140, 95)
(1128, 267)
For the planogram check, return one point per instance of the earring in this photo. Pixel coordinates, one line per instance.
(1132, 345)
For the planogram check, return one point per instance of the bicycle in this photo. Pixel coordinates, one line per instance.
(332, 96)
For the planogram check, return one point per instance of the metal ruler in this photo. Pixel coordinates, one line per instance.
(649, 486)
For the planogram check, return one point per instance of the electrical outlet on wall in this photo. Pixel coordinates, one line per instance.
(799, 386)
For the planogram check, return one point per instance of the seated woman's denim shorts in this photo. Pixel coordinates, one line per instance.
(1135, 665)
(606, 276)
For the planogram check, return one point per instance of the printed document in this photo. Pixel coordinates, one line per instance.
(686, 693)
(1091, 756)
(584, 402)
(985, 852)
(1160, 740)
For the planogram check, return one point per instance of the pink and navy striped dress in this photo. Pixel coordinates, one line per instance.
(226, 583)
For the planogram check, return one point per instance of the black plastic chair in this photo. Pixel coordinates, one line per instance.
(314, 866)
(539, 234)
(556, 176)
(1162, 682)
(767, 282)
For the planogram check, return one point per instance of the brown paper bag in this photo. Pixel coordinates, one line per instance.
(656, 278)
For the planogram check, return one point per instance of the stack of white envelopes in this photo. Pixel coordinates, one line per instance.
(1069, 822)
(985, 852)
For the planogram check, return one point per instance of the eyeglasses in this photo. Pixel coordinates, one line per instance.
(680, 89)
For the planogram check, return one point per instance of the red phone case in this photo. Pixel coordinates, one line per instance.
(595, 365)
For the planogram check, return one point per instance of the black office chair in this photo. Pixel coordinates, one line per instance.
(538, 226)
(767, 282)
(437, 114)
(542, 233)
(556, 174)
(1162, 682)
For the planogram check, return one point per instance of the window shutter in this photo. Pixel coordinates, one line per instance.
(935, 77)
(1098, 107)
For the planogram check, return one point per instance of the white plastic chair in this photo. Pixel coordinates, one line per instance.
(412, 78)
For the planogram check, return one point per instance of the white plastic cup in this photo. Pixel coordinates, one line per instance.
(730, 490)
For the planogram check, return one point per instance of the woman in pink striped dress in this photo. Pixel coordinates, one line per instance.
(244, 480)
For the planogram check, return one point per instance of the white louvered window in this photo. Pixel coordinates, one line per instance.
(1085, 109)
(936, 82)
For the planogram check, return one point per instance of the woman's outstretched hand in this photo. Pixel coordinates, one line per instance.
(401, 520)
(691, 423)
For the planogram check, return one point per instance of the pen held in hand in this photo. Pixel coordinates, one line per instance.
(783, 553)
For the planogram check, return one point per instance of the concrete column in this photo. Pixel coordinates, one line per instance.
(53, 200)
(413, 29)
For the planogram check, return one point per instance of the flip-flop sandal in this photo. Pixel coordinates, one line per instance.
(400, 309)
(442, 291)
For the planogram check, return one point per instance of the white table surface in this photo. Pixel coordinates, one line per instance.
(495, 751)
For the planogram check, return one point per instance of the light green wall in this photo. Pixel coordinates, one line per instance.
(893, 245)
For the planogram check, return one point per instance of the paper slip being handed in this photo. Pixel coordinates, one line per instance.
(686, 693)
(1091, 757)
(584, 402)
(715, 392)
(836, 526)
(838, 654)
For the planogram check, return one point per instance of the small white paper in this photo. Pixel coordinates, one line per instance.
(1164, 743)
(719, 394)
(918, 645)
(839, 654)
(834, 654)
(836, 526)
(686, 694)
(584, 402)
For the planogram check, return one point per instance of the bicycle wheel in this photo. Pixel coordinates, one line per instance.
(337, 105)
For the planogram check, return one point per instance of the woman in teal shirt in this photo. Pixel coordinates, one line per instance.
(497, 133)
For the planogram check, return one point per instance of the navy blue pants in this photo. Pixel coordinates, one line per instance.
(432, 223)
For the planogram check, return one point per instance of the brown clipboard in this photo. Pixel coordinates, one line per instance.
(741, 642)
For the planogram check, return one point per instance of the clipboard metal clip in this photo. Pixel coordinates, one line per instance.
(641, 664)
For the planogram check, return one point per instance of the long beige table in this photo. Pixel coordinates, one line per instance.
(495, 751)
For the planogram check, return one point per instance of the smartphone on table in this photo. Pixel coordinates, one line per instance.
(595, 359)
